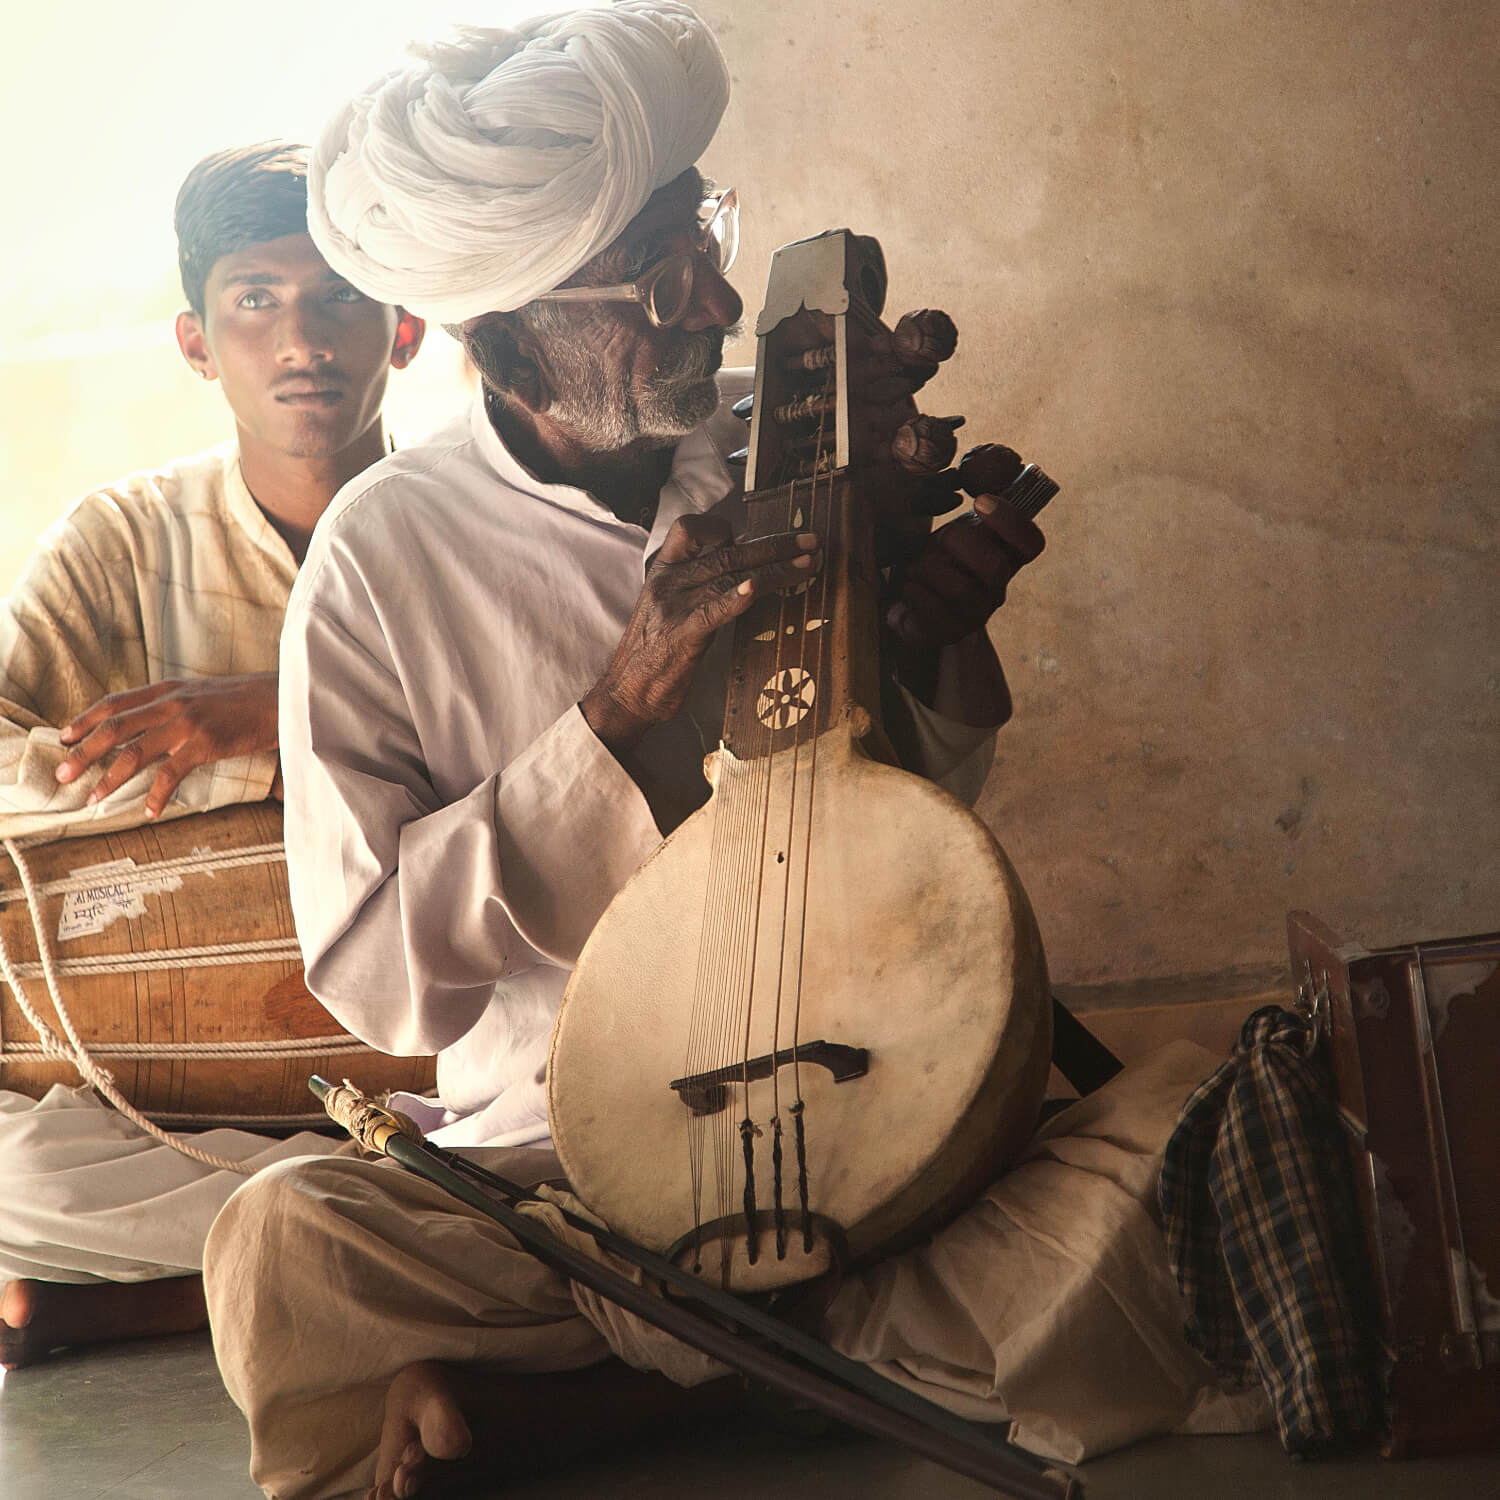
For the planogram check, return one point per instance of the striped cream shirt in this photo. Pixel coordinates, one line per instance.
(170, 573)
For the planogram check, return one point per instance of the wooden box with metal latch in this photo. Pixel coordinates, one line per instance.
(1412, 1035)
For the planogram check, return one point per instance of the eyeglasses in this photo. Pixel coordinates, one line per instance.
(666, 290)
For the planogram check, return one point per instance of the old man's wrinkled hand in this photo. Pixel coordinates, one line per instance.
(701, 579)
(958, 577)
(182, 724)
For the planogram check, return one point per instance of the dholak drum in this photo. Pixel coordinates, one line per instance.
(177, 961)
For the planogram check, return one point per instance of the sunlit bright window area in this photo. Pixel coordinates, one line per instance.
(107, 107)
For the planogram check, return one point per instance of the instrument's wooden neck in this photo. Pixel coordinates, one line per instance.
(807, 660)
(803, 662)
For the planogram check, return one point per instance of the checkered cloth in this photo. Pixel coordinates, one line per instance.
(1264, 1238)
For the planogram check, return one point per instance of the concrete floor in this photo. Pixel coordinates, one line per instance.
(150, 1421)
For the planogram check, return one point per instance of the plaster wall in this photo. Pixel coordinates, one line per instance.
(1229, 272)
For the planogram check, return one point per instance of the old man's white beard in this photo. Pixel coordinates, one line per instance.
(605, 414)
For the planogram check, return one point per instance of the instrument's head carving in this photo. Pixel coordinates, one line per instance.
(820, 273)
(800, 411)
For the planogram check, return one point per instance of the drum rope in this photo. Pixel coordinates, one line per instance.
(310, 1046)
(74, 1050)
(316, 1121)
(200, 861)
(260, 950)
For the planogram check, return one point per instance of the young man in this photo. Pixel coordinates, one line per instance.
(496, 690)
(138, 664)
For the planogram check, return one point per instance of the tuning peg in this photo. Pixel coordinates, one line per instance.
(925, 337)
(739, 458)
(804, 408)
(818, 358)
(742, 407)
(925, 443)
(988, 468)
(993, 469)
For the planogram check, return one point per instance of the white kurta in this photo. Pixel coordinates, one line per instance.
(171, 573)
(454, 828)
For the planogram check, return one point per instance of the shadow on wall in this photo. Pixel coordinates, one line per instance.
(1230, 273)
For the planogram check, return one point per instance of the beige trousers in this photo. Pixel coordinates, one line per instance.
(1047, 1303)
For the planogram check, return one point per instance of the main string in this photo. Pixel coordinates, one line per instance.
(827, 531)
(729, 951)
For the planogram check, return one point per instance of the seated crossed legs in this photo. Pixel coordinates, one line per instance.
(366, 1322)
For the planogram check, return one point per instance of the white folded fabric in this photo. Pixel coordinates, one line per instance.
(499, 163)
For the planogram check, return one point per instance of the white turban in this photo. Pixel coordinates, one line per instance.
(494, 168)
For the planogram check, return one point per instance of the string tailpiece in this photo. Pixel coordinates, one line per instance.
(777, 1207)
(800, 1134)
(748, 1132)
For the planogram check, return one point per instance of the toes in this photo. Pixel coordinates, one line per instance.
(395, 1441)
(422, 1421)
(444, 1432)
(410, 1472)
(17, 1351)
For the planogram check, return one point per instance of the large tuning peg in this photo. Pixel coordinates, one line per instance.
(993, 469)
(989, 468)
(926, 444)
(743, 407)
(924, 337)
(817, 358)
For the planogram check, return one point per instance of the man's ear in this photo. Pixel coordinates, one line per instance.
(508, 358)
(410, 331)
(194, 344)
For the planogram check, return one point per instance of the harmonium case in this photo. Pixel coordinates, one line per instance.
(1413, 1040)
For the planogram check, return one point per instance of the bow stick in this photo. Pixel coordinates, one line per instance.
(815, 1374)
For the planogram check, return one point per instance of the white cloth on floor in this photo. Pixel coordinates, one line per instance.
(170, 573)
(1048, 1302)
(86, 1196)
(454, 827)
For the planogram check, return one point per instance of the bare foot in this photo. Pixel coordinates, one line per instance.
(422, 1421)
(17, 1340)
(37, 1317)
(447, 1424)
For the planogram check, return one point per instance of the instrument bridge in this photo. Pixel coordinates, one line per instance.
(708, 1093)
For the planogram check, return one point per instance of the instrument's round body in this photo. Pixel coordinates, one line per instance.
(918, 944)
(135, 948)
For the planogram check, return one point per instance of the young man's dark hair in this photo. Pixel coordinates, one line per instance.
(235, 199)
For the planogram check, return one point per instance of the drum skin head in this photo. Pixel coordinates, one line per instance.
(883, 917)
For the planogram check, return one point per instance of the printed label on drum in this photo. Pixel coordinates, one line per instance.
(113, 891)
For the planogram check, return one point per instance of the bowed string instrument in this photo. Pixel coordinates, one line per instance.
(815, 1023)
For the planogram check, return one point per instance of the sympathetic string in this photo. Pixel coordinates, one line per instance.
(742, 932)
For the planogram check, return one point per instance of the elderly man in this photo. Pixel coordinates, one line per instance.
(139, 656)
(497, 689)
